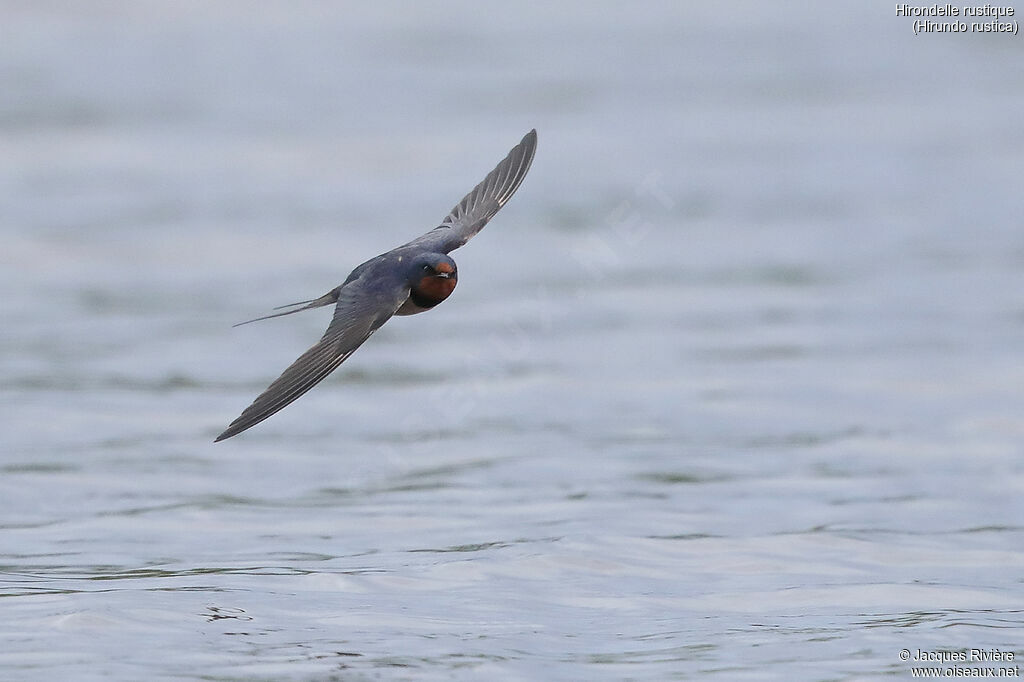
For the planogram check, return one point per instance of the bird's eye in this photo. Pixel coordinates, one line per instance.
(426, 267)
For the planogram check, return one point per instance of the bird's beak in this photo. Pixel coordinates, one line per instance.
(444, 275)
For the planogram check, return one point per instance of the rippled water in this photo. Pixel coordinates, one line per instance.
(729, 390)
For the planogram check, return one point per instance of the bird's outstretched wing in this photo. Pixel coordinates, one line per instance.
(360, 312)
(471, 214)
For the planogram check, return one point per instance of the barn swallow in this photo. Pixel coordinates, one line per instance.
(410, 279)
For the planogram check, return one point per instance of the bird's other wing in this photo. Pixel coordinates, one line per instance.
(471, 214)
(362, 309)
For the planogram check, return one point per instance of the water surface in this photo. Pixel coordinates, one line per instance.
(729, 390)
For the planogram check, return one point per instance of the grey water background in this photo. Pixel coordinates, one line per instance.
(731, 389)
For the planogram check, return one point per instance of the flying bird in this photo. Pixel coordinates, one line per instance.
(410, 279)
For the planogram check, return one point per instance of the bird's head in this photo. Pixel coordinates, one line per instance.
(432, 266)
(432, 278)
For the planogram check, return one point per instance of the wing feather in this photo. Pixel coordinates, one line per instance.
(474, 211)
(356, 317)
